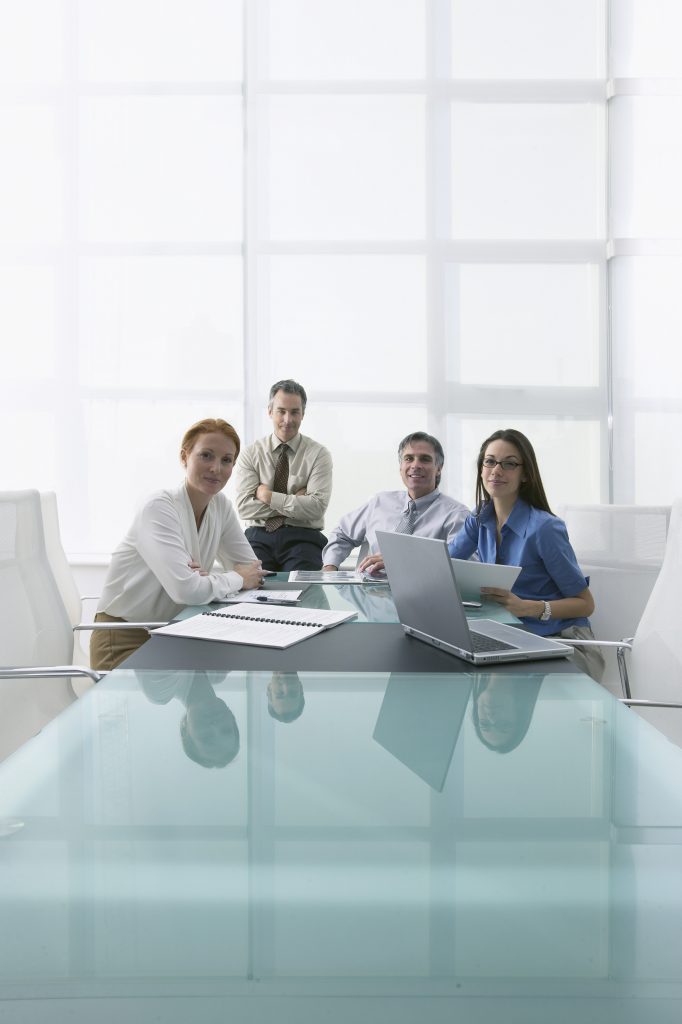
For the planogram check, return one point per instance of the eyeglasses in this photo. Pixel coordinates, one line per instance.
(509, 464)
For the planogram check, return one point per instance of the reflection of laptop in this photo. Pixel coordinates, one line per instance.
(420, 719)
(423, 588)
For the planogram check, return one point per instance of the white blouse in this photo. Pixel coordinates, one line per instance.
(149, 579)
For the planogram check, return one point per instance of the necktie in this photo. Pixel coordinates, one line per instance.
(279, 485)
(408, 519)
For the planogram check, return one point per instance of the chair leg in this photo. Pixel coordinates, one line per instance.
(623, 672)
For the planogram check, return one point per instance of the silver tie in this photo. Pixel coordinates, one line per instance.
(408, 519)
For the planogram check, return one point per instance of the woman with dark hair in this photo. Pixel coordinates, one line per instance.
(502, 709)
(166, 559)
(513, 524)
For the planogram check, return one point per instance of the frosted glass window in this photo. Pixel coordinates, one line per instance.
(29, 456)
(27, 322)
(567, 452)
(528, 38)
(365, 317)
(647, 160)
(162, 322)
(527, 171)
(645, 38)
(31, 174)
(132, 449)
(161, 169)
(657, 480)
(31, 49)
(346, 167)
(331, 39)
(523, 324)
(160, 40)
(647, 327)
(364, 441)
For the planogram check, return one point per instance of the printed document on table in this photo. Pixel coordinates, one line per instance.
(256, 625)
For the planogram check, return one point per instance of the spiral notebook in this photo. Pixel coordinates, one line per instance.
(258, 626)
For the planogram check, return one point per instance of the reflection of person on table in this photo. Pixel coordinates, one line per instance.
(166, 560)
(421, 509)
(502, 709)
(285, 696)
(208, 729)
(512, 524)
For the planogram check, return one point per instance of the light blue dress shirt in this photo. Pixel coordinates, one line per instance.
(538, 542)
(438, 516)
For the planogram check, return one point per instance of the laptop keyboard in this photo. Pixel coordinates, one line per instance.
(482, 644)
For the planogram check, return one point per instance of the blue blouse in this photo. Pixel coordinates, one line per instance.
(538, 542)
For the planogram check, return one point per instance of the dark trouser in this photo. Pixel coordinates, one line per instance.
(109, 647)
(289, 548)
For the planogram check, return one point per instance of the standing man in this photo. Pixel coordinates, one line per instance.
(284, 482)
(420, 509)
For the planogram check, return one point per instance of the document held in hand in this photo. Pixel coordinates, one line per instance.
(258, 626)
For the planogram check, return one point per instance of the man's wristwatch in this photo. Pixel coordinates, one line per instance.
(547, 612)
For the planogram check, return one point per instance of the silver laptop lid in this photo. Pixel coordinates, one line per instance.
(423, 587)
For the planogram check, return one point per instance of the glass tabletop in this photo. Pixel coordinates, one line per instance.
(372, 602)
(448, 840)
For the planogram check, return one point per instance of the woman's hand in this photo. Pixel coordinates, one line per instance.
(516, 605)
(195, 567)
(251, 574)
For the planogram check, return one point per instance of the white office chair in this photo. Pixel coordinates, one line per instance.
(652, 681)
(61, 570)
(36, 640)
(621, 549)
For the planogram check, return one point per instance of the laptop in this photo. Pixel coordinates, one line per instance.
(420, 720)
(424, 590)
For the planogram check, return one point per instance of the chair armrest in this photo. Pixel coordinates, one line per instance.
(50, 671)
(649, 703)
(89, 627)
(621, 647)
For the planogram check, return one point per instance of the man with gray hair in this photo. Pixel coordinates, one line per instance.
(422, 509)
(284, 482)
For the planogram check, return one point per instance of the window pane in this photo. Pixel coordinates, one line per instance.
(172, 322)
(567, 453)
(656, 481)
(646, 135)
(527, 171)
(132, 449)
(31, 49)
(31, 174)
(351, 323)
(647, 326)
(528, 38)
(29, 457)
(161, 169)
(364, 442)
(523, 324)
(330, 39)
(645, 38)
(160, 40)
(27, 322)
(345, 168)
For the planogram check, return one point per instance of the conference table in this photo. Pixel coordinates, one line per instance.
(373, 641)
(415, 846)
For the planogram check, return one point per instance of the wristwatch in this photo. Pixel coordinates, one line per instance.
(547, 613)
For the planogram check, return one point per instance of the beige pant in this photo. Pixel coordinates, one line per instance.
(109, 647)
(588, 659)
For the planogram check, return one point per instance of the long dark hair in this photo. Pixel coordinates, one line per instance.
(531, 490)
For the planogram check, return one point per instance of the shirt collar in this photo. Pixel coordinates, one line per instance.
(423, 502)
(293, 444)
(517, 521)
